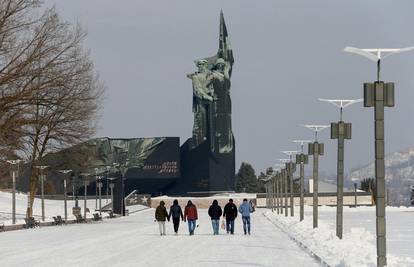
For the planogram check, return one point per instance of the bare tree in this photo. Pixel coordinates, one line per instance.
(22, 42)
(50, 93)
(64, 112)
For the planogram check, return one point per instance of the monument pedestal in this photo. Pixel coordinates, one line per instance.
(205, 171)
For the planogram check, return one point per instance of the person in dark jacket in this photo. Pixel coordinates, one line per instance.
(215, 213)
(230, 213)
(175, 214)
(190, 214)
(160, 216)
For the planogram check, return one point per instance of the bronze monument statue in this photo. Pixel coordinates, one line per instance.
(211, 97)
(204, 164)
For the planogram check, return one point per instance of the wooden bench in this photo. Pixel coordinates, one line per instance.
(31, 222)
(97, 217)
(58, 220)
(2, 229)
(79, 218)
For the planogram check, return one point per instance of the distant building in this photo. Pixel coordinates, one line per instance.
(325, 187)
(327, 195)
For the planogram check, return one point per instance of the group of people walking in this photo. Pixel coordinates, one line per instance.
(215, 212)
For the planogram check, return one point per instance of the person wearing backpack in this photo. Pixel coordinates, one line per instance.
(190, 214)
(215, 213)
(160, 216)
(175, 213)
(245, 209)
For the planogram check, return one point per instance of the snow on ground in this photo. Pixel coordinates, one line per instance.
(358, 246)
(52, 208)
(135, 241)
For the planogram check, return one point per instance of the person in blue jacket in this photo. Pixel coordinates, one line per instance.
(245, 209)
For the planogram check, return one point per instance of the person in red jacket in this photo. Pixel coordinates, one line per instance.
(190, 215)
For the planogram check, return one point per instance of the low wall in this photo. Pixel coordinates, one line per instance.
(325, 199)
(364, 200)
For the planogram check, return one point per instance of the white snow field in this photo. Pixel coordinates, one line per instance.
(135, 241)
(358, 246)
(52, 208)
(275, 241)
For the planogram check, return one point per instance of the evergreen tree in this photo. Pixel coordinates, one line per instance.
(246, 180)
(260, 183)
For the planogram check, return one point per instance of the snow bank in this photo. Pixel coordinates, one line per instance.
(355, 249)
(52, 208)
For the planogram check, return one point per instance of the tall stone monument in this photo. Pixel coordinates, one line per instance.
(208, 158)
(203, 165)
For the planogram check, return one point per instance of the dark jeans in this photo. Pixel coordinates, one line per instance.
(246, 224)
(176, 222)
(230, 226)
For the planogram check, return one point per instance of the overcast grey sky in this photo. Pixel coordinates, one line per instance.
(287, 54)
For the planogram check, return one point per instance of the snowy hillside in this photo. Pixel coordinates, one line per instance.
(399, 175)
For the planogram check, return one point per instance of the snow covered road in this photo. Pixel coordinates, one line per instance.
(135, 241)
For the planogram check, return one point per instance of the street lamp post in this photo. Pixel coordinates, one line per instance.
(291, 168)
(42, 188)
(273, 180)
(302, 159)
(315, 149)
(85, 196)
(280, 191)
(269, 186)
(96, 188)
(272, 190)
(278, 188)
(276, 183)
(75, 186)
(379, 95)
(100, 194)
(266, 184)
(123, 168)
(285, 191)
(286, 176)
(65, 191)
(108, 168)
(14, 163)
(340, 130)
(268, 181)
(111, 186)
